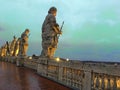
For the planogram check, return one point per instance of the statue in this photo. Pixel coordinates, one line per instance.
(12, 46)
(4, 50)
(0, 51)
(24, 43)
(8, 48)
(50, 32)
(17, 47)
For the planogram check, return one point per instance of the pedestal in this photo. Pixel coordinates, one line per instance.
(87, 80)
(6, 59)
(20, 61)
(42, 66)
(13, 59)
(9, 59)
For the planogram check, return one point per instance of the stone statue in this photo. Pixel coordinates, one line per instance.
(50, 31)
(8, 48)
(12, 46)
(4, 50)
(24, 43)
(17, 47)
(0, 51)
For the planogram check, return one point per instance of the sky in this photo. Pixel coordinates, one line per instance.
(91, 30)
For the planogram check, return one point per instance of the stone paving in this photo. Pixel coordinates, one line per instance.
(21, 78)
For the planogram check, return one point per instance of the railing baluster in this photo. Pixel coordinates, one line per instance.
(108, 84)
(114, 84)
(97, 82)
(92, 80)
(102, 83)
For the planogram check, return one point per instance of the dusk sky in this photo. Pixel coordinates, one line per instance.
(91, 30)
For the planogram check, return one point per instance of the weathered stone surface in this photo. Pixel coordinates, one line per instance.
(24, 43)
(12, 46)
(65, 72)
(31, 63)
(3, 50)
(13, 59)
(17, 47)
(20, 61)
(50, 32)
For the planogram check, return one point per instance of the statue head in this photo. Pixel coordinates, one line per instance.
(7, 42)
(14, 38)
(27, 31)
(53, 10)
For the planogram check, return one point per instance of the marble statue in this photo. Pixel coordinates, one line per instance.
(50, 32)
(12, 46)
(0, 51)
(17, 47)
(4, 50)
(24, 43)
(8, 48)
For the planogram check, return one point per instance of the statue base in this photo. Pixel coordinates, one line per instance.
(2, 58)
(9, 59)
(20, 61)
(13, 59)
(6, 59)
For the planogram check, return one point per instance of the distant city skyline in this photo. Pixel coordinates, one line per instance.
(91, 30)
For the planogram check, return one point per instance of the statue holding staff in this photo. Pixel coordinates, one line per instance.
(24, 43)
(50, 32)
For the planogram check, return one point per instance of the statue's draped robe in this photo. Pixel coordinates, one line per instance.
(49, 36)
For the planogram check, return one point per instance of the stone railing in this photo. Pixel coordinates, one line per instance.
(81, 75)
(63, 72)
(101, 81)
(76, 74)
(31, 63)
(105, 77)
